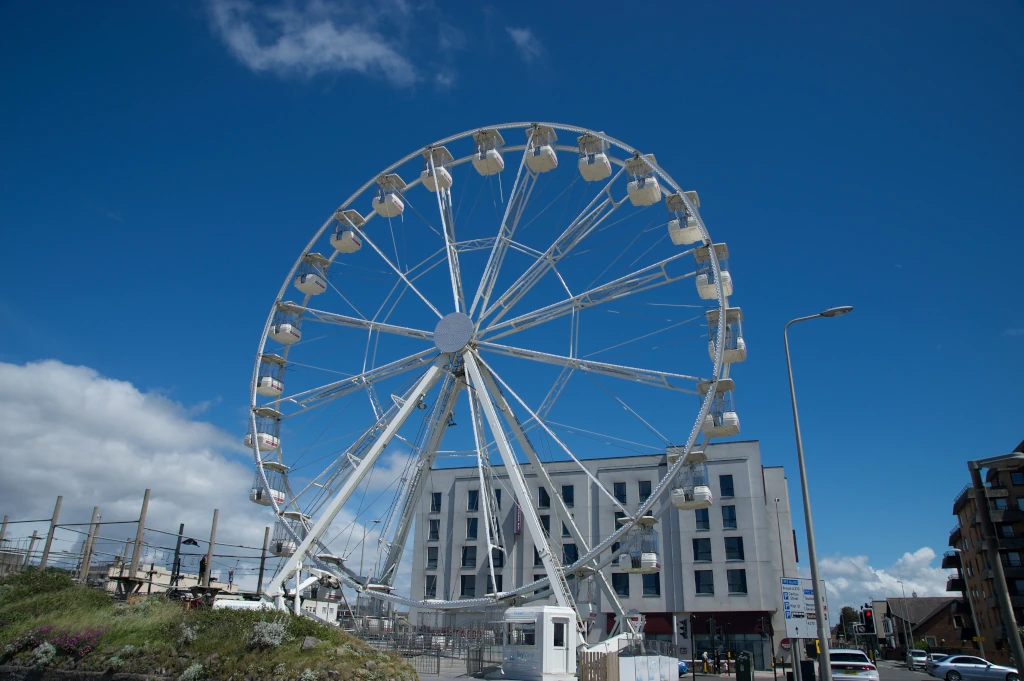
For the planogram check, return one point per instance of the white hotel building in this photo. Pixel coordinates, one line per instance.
(720, 566)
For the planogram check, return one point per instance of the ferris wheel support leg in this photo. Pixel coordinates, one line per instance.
(561, 511)
(293, 564)
(515, 474)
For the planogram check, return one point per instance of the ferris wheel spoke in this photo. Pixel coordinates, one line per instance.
(526, 179)
(366, 462)
(401, 275)
(315, 397)
(657, 379)
(518, 481)
(596, 212)
(444, 207)
(645, 279)
(364, 324)
(483, 477)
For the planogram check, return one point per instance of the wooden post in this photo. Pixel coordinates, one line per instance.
(49, 535)
(83, 572)
(209, 552)
(263, 560)
(31, 547)
(137, 551)
(3, 530)
(176, 565)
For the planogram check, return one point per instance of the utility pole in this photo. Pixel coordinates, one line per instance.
(139, 533)
(3, 530)
(263, 560)
(49, 535)
(31, 547)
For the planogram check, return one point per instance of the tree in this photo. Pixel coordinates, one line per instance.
(848, 617)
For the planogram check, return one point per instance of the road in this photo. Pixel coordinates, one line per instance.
(889, 670)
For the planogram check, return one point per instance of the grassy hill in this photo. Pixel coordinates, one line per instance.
(46, 620)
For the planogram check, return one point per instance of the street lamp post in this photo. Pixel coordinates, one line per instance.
(1014, 460)
(909, 638)
(824, 662)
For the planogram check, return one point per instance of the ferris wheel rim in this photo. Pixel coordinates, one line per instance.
(664, 483)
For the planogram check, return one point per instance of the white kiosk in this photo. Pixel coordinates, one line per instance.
(540, 644)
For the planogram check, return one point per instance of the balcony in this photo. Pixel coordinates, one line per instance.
(956, 583)
(954, 535)
(960, 499)
(1013, 571)
(968, 493)
(1016, 600)
(1010, 543)
(950, 560)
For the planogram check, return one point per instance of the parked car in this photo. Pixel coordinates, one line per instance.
(852, 664)
(934, 659)
(970, 668)
(917, 659)
(684, 668)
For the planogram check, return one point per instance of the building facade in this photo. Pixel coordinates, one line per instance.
(1004, 494)
(720, 568)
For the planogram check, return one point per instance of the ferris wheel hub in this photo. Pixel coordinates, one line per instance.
(453, 332)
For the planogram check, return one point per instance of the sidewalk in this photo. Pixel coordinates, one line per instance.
(759, 674)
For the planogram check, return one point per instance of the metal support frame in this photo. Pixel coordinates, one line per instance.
(293, 563)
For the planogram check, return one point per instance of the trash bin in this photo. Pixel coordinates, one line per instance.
(807, 670)
(744, 666)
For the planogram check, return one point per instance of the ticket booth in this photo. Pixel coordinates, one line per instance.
(540, 644)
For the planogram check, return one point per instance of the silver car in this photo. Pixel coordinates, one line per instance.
(969, 668)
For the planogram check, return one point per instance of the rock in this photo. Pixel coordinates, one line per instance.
(310, 642)
(339, 651)
(109, 650)
(212, 660)
(370, 664)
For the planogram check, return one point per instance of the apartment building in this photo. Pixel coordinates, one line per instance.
(720, 567)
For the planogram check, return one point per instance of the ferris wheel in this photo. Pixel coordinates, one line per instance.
(527, 294)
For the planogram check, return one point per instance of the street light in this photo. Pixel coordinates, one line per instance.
(909, 638)
(824, 662)
(1003, 462)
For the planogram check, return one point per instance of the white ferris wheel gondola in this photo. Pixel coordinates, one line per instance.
(380, 296)
(735, 346)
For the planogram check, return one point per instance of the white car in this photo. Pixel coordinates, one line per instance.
(852, 664)
(917, 659)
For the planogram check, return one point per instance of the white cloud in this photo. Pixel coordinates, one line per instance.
(850, 580)
(529, 46)
(321, 37)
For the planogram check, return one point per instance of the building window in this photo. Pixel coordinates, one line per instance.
(999, 503)
(728, 517)
(473, 500)
(435, 502)
(536, 558)
(491, 583)
(569, 554)
(558, 635)
(1017, 478)
(704, 580)
(565, 531)
(498, 557)
(542, 589)
(702, 550)
(543, 500)
(431, 557)
(725, 486)
(468, 556)
(1005, 530)
(703, 522)
(620, 582)
(615, 526)
(734, 548)
(1018, 587)
(471, 528)
(737, 581)
(619, 489)
(434, 533)
(931, 641)
(652, 584)
(545, 522)
(430, 587)
(468, 586)
(497, 498)
(1020, 503)
(1011, 559)
(644, 488)
(568, 495)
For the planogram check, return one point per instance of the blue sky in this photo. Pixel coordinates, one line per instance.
(163, 164)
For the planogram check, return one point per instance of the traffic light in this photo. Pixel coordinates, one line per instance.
(869, 621)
